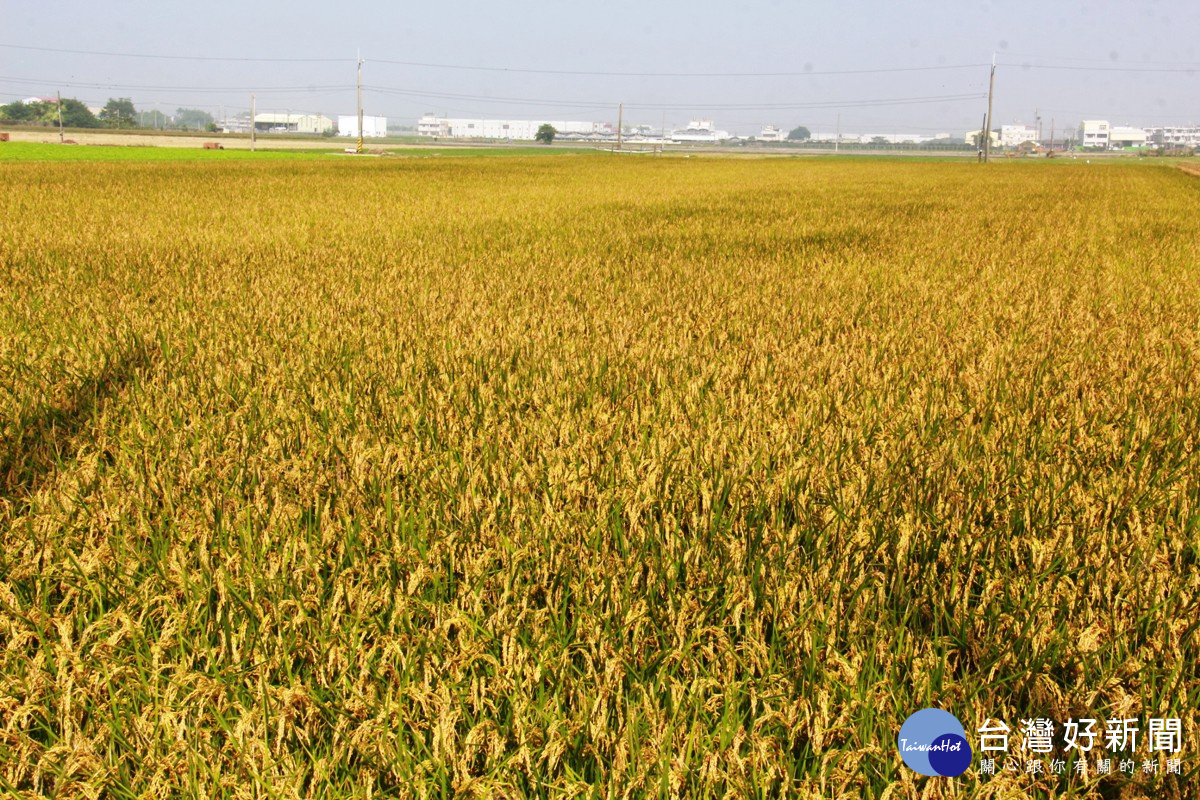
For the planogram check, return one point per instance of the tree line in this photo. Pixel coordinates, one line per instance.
(118, 112)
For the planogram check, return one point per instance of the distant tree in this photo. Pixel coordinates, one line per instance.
(193, 119)
(879, 140)
(980, 139)
(800, 134)
(39, 112)
(153, 119)
(546, 133)
(28, 113)
(118, 112)
(77, 115)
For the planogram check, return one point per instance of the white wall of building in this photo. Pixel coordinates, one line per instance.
(1016, 135)
(293, 122)
(869, 138)
(699, 131)
(1098, 133)
(432, 125)
(519, 129)
(893, 138)
(1174, 136)
(1094, 133)
(373, 127)
(972, 137)
(772, 134)
(1120, 136)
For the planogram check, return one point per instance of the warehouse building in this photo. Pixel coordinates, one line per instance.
(1174, 136)
(292, 122)
(973, 137)
(699, 131)
(1017, 135)
(519, 129)
(373, 127)
(1120, 137)
(1099, 134)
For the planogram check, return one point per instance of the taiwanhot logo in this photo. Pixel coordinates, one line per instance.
(933, 742)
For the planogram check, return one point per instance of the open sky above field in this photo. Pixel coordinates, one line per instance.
(896, 68)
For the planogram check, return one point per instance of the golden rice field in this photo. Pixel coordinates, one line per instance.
(588, 476)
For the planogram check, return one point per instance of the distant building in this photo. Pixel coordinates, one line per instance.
(1097, 133)
(1016, 135)
(1094, 133)
(430, 125)
(292, 122)
(892, 138)
(516, 129)
(972, 137)
(1120, 137)
(878, 138)
(699, 131)
(1174, 136)
(772, 134)
(239, 124)
(373, 127)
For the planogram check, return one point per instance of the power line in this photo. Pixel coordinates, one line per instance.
(621, 74)
(522, 70)
(688, 106)
(1066, 67)
(1108, 60)
(172, 57)
(210, 89)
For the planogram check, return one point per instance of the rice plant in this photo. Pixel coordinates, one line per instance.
(545, 477)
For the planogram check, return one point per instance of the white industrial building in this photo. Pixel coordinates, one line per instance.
(1017, 135)
(699, 131)
(238, 124)
(878, 138)
(292, 122)
(972, 137)
(1174, 136)
(373, 127)
(772, 134)
(519, 129)
(1120, 137)
(1094, 133)
(1099, 134)
(430, 125)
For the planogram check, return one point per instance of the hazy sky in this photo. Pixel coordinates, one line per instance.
(884, 67)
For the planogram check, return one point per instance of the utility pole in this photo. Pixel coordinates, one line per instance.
(620, 123)
(360, 118)
(837, 143)
(60, 130)
(987, 133)
(982, 133)
(253, 127)
(1052, 133)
